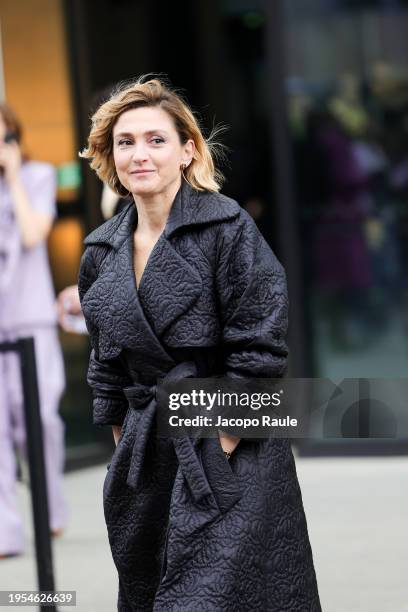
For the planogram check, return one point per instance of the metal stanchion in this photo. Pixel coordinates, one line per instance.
(34, 435)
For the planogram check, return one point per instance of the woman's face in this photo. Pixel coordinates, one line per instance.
(147, 151)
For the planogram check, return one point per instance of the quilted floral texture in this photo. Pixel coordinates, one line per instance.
(189, 530)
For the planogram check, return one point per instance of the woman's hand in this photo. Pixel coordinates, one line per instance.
(228, 442)
(10, 160)
(69, 311)
(68, 302)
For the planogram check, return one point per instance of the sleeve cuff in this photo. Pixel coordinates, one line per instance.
(109, 411)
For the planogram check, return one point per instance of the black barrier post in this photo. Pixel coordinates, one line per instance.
(34, 436)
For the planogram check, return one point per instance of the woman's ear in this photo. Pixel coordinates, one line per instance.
(188, 153)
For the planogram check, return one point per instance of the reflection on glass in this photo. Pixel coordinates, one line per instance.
(348, 106)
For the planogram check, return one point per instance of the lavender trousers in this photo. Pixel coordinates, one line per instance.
(51, 382)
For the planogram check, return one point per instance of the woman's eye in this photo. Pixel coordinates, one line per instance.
(157, 140)
(124, 141)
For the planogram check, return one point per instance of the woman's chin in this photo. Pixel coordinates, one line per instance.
(151, 187)
(139, 190)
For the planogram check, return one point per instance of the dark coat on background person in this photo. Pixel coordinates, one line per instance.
(190, 530)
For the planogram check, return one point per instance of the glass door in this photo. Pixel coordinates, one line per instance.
(347, 87)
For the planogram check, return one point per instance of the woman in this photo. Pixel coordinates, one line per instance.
(27, 209)
(175, 287)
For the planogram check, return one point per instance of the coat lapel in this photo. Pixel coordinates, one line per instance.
(121, 323)
(170, 284)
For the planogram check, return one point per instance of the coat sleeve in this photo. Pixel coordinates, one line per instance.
(106, 378)
(251, 284)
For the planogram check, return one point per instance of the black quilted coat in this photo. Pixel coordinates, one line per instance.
(189, 530)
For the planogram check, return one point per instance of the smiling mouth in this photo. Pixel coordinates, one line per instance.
(142, 172)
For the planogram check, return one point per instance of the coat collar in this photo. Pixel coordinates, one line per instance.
(190, 208)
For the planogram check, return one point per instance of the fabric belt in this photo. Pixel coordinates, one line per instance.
(142, 397)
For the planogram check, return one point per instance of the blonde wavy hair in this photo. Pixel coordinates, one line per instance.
(201, 172)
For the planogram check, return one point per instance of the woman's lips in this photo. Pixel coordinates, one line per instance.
(141, 171)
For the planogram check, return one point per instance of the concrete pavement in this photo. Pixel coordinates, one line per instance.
(357, 513)
(82, 559)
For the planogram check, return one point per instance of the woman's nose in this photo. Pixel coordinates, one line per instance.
(139, 153)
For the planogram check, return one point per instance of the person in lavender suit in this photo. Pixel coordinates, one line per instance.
(27, 209)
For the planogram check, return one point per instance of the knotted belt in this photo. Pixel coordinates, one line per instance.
(142, 397)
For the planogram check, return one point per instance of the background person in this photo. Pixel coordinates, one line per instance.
(27, 209)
